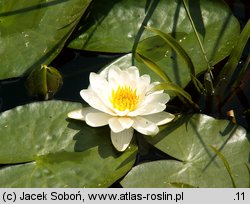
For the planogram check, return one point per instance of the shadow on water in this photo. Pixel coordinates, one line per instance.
(75, 68)
(149, 10)
(76, 72)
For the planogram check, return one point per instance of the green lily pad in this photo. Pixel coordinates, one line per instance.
(155, 49)
(113, 26)
(189, 140)
(42, 148)
(34, 32)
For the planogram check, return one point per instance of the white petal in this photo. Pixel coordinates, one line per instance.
(115, 77)
(160, 118)
(145, 126)
(77, 114)
(118, 124)
(81, 113)
(122, 139)
(93, 100)
(115, 125)
(156, 98)
(148, 109)
(133, 73)
(97, 82)
(153, 103)
(151, 86)
(121, 113)
(146, 79)
(126, 122)
(97, 119)
(128, 77)
(142, 85)
(100, 87)
(105, 72)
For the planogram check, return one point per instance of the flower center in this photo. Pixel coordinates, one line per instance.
(124, 98)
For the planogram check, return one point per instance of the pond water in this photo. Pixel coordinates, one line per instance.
(75, 67)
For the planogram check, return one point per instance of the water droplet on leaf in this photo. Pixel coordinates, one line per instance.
(46, 171)
(37, 174)
(130, 35)
(37, 147)
(150, 23)
(49, 138)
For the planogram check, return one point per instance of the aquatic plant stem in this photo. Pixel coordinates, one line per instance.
(198, 38)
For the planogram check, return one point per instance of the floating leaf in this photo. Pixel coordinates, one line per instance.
(225, 164)
(34, 32)
(154, 47)
(45, 149)
(176, 47)
(196, 33)
(113, 26)
(154, 67)
(189, 140)
(182, 185)
(248, 168)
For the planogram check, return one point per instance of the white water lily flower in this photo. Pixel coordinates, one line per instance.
(123, 100)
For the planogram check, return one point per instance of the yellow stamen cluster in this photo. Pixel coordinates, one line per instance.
(124, 98)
